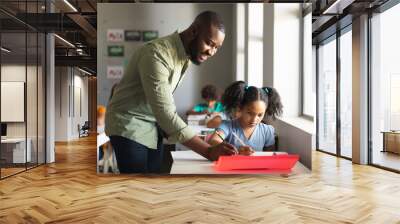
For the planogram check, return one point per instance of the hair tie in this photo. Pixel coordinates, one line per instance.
(267, 90)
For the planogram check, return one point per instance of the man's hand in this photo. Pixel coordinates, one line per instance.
(222, 149)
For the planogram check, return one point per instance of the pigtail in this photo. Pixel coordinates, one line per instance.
(233, 96)
(275, 107)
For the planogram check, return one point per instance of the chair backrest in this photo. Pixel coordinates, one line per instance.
(86, 125)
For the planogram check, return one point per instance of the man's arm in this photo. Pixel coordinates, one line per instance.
(192, 112)
(154, 74)
(209, 152)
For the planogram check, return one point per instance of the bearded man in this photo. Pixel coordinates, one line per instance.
(142, 111)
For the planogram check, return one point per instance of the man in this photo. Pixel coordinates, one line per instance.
(142, 106)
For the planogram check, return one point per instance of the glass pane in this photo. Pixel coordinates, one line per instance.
(385, 85)
(13, 86)
(346, 94)
(327, 97)
(31, 97)
(41, 98)
(240, 31)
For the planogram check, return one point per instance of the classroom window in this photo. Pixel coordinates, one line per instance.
(327, 96)
(22, 78)
(385, 86)
(255, 44)
(240, 41)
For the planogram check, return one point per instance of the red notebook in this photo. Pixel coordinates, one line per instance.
(273, 162)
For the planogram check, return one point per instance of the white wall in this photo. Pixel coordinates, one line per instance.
(296, 136)
(17, 73)
(165, 18)
(68, 83)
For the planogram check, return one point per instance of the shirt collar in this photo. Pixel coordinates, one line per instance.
(181, 49)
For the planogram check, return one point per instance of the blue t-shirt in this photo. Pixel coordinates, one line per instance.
(263, 135)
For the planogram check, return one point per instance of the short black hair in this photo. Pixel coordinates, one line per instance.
(209, 92)
(211, 18)
(238, 94)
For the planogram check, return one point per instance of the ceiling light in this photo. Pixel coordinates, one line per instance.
(5, 50)
(70, 5)
(337, 7)
(65, 41)
(84, 71)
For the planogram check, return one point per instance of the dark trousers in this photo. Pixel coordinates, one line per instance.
(133, 157)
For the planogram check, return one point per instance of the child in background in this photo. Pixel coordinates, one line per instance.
(101, 115)
(209, 94)
(252, 104)
(211, 107)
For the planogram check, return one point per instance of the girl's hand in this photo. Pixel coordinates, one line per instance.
(245, 150)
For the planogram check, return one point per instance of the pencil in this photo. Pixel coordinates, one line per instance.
(240, 140)
(223, 140)
(216, 132)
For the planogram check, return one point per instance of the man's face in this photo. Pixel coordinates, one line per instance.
(205, 44)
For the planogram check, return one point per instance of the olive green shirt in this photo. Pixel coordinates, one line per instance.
(144, 95)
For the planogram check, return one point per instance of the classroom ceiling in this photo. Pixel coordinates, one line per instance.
(328, 16)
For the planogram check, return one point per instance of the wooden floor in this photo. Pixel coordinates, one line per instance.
(10, 171)
(70, 191)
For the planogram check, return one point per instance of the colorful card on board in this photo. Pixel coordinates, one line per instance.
(149, 35)
(116, 51)
(115, 35)
(133, 35)
(115, 72)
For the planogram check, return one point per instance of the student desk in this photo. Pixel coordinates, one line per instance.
(198, 129)
(189, 162)
(391, 141)
(13, 150)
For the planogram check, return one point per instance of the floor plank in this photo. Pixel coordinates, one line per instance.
(70, 191)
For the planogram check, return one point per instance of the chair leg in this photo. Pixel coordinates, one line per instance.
(106, 158)
(114, 166)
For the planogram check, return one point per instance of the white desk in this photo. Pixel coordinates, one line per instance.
(19, 154)
(197, 129)
(189, 162)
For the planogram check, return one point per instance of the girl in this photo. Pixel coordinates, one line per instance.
(250, 104)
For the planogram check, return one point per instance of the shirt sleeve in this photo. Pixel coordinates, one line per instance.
(154, 73)
(198, 108)
(269, 135)
(225, 128)
(219, 107)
